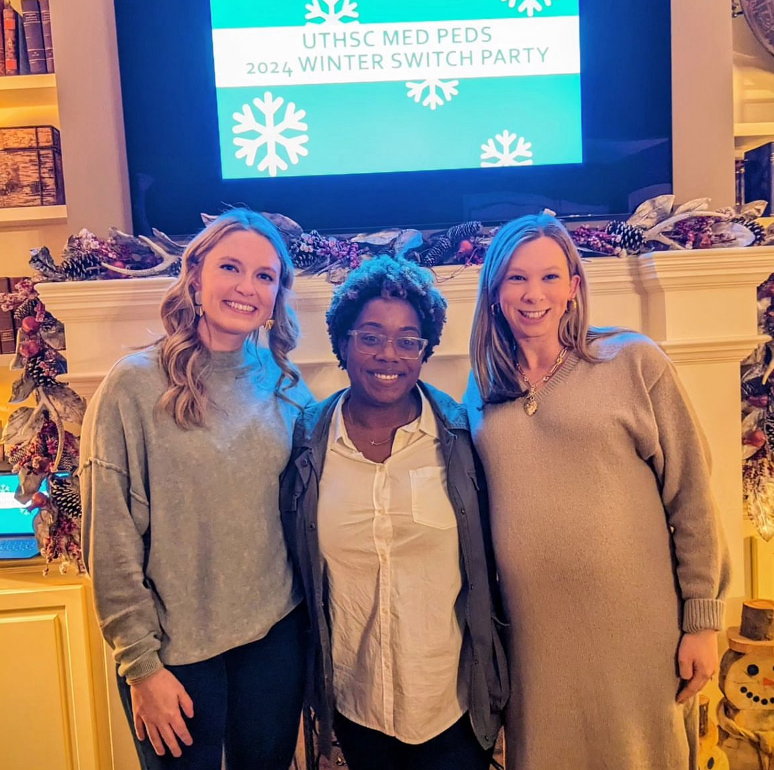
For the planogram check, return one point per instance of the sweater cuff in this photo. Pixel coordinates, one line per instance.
(142, 668)
(703, 615)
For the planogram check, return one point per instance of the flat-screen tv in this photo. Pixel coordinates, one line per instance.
(357, 114)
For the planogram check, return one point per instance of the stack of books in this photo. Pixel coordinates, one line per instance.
(8, 326)
(26, 47)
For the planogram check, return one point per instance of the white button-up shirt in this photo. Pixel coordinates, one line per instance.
(388, 537)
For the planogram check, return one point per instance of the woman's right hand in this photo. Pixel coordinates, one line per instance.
(156, 705)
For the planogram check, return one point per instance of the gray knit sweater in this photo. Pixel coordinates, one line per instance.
(182, 535)
(608, 546)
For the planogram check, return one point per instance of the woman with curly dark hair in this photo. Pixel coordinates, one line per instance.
(384, 507)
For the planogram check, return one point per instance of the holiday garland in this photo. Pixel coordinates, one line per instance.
(42, 449)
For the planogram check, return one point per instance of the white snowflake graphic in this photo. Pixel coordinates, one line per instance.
(330, 15)
(271, 134)
(438, 92)
(492, 156)
(530, 7)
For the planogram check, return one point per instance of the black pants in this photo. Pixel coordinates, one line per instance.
(247, 700)
(454, 749)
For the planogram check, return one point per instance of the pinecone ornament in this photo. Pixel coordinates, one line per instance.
(758, 230)
(41, 373)
(27, 308)
(82, 267)
(66, 496)
(631, 237)
(435, 254)
(462, 232)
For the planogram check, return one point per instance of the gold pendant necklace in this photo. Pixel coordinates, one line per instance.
(530, 401)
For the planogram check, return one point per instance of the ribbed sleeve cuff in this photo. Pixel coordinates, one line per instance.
(703, 615)
(142, 668)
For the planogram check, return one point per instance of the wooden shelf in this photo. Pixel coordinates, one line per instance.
(26, 82)
(26, 216)
(24, 97)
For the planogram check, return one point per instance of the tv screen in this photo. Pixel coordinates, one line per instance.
(352, 115)
(302, 91)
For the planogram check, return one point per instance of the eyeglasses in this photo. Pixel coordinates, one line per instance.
(371, 343)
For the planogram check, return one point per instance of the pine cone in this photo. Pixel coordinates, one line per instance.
(631, 236)
(435, 254)
(66, 496)
(461, 232)
(40, 373)
(758, 230)
(27, 308)
(82, 267)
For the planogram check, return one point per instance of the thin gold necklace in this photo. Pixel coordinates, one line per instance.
(392, 431)
(530, 402)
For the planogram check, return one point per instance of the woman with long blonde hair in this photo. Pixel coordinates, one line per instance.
(611, 563)
(181, 452)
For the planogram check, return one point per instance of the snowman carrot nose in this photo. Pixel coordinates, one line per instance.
(768, 682)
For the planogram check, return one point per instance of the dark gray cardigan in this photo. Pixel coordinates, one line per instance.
(488, 690)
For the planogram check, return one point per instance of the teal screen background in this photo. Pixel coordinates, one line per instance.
(361, 128)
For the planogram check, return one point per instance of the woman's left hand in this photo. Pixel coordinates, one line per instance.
(697, 658)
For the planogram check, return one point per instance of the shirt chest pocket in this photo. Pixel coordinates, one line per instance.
(430, 504)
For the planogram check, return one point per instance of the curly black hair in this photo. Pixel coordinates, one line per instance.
(387, 276)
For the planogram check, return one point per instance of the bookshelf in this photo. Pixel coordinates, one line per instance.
(29, 100)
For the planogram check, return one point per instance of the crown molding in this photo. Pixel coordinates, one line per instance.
(705, 268)
(712, 350)
(108, 300)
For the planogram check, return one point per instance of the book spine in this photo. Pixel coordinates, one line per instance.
(2, 46)
(10, 34)
(48, 41)
(21, 40)
(33, 32)
(7, 334)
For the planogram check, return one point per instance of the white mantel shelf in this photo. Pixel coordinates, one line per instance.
(700, 306)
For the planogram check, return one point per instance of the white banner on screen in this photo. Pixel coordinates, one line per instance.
(373, 53)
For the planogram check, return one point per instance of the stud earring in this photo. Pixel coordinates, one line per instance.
(269, 325)
(198, 309)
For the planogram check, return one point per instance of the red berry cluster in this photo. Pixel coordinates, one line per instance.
(595, 240)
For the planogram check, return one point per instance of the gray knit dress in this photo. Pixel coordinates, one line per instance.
(607, 546)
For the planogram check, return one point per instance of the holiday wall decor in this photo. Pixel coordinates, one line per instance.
(39, 445)
(757, 398)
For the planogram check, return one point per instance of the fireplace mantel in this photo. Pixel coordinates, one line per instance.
(700, 306)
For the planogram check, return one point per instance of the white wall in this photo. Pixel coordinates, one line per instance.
(702, 100)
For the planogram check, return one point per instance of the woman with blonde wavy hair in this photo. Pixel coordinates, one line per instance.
(611, 563)
(181, 452)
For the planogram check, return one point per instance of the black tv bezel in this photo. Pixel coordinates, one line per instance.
(170, 116)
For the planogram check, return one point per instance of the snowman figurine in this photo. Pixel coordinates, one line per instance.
(746, 712)
(711, 756)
